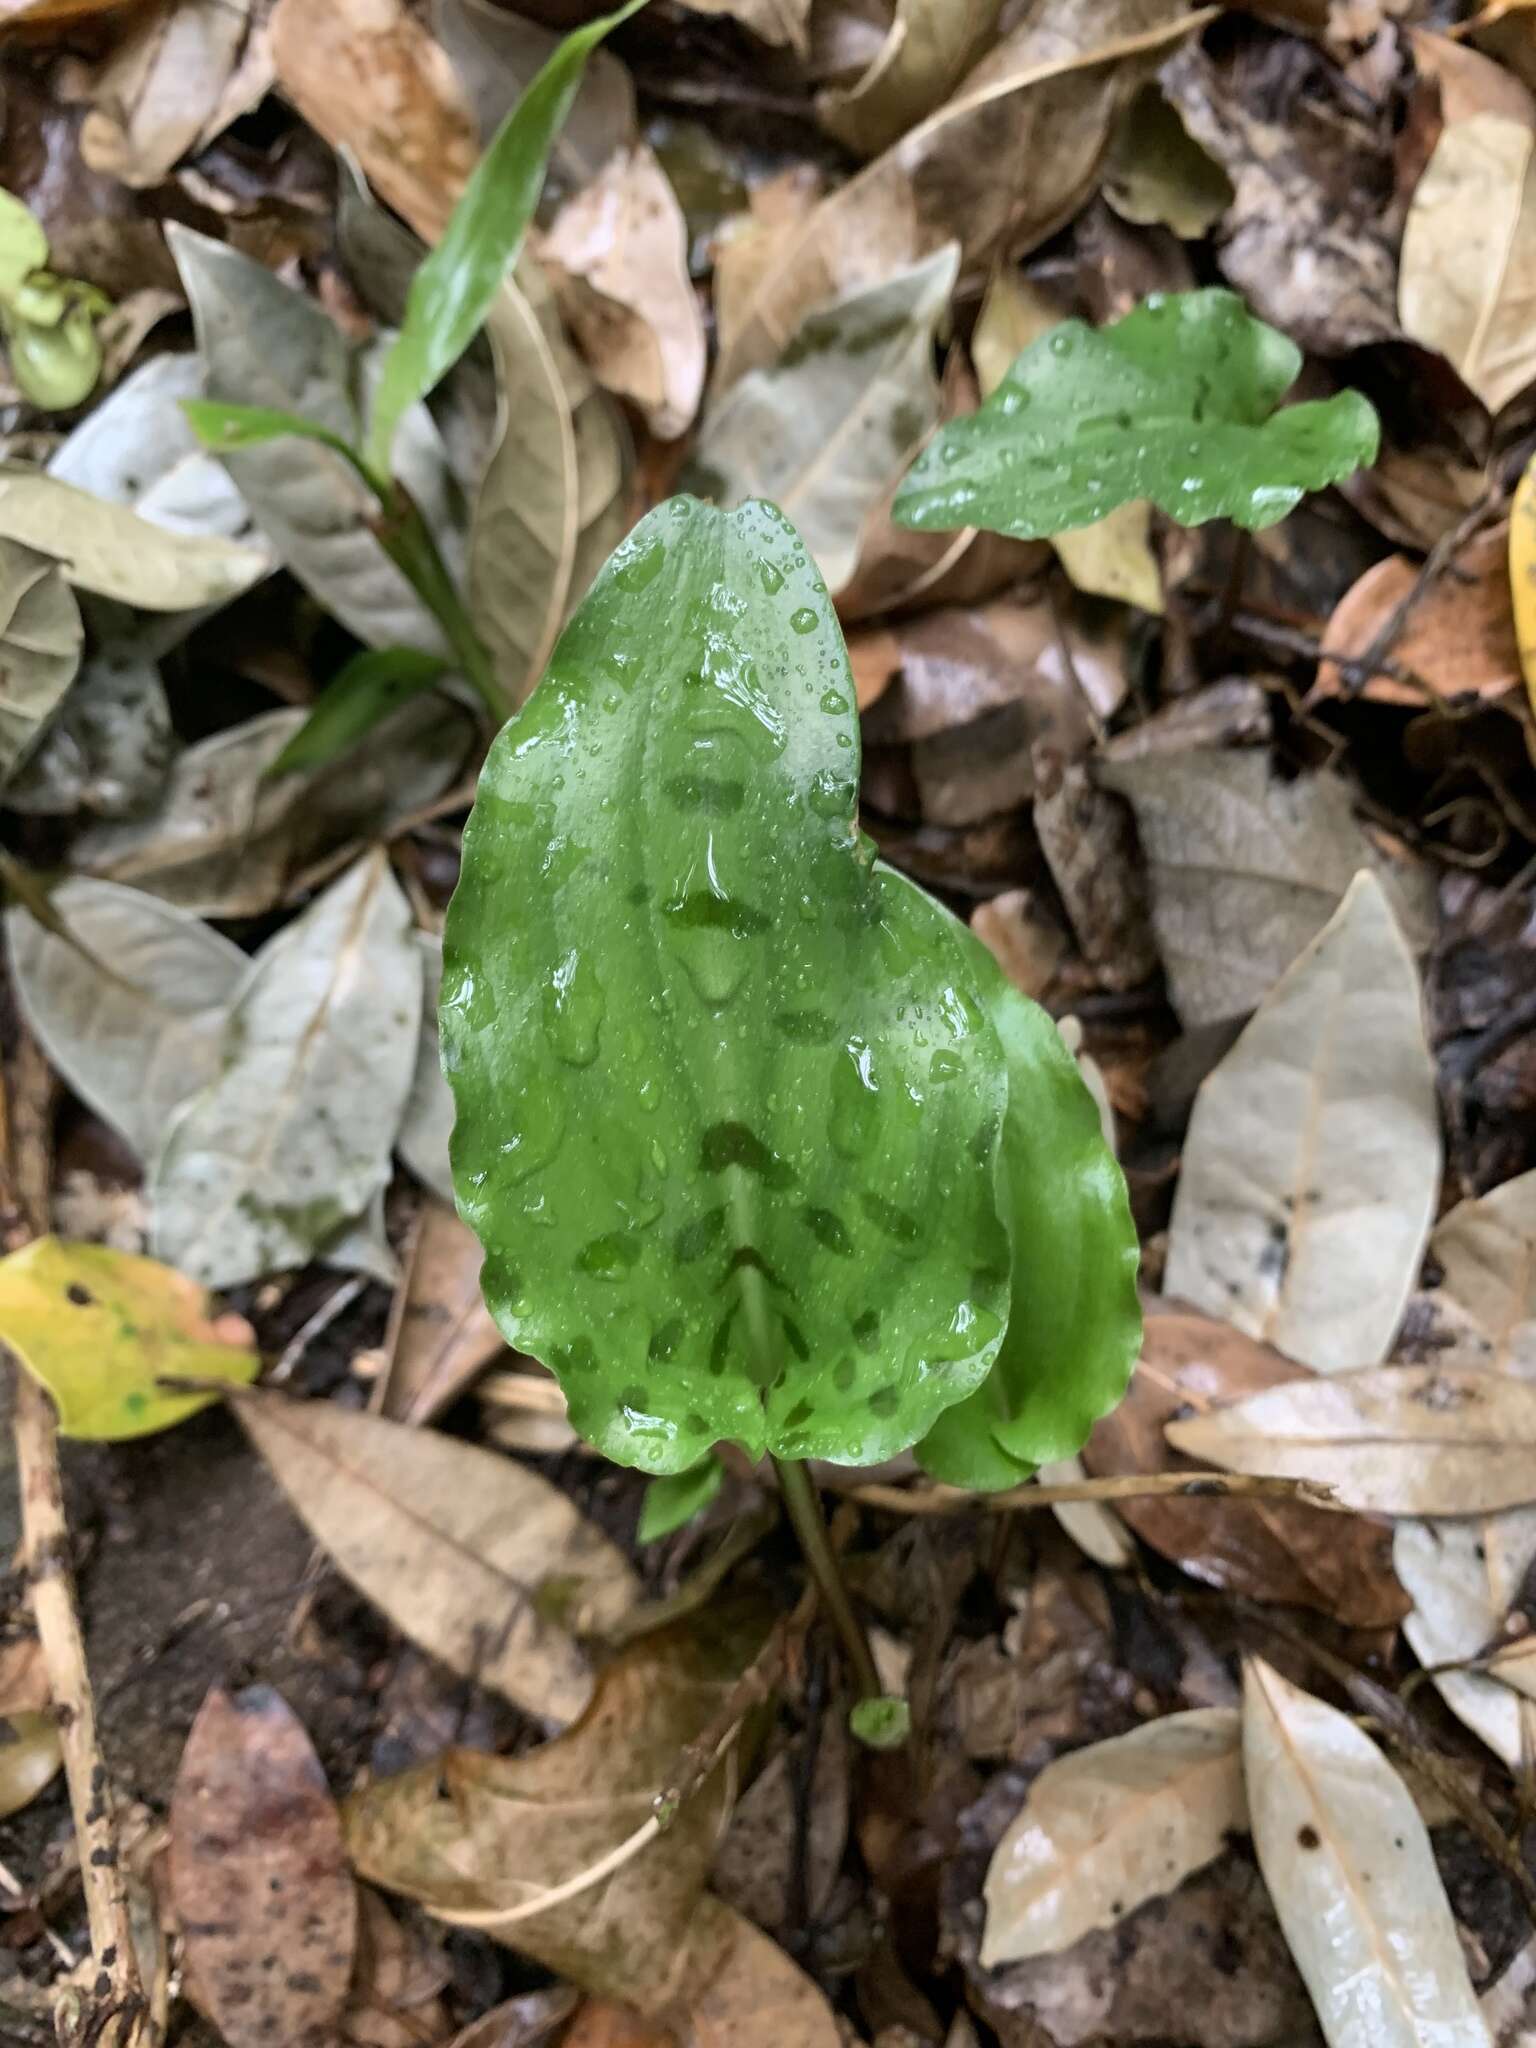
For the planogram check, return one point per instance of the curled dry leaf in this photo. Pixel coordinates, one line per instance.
(1157, 174)
(824, 430)
(101, 1329)
(40, 639)
(1312, 1164)
(1459, 637)
(1467, 281)
(1106, 1828)
(291, 1138)
(930, 46)
(479, 1839)
(393, 1999)
(1285, 1551)
(369, 77)
(29, 1758)
(442, 1335)
(468, 1553)
(1349, 1866)
(258, 1870)
(1392, 1439)
(135, 1029)
(1246, 870)
(1003, 164)
(182, 73)
(1465, 1577)
(617, 254)
(109, 550)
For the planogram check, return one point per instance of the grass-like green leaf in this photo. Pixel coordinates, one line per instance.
(224, 426)
(361, 695)
(729, 1099)
(1176, 403)
(1075, 1328)
(452, 291)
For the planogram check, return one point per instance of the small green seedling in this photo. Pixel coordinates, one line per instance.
(450, 296)
(48, 322)
(1175, 403)
(760, 1145)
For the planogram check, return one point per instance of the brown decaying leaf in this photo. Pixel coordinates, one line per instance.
(525, 2022)
(1312, 1165)
(441, 1334)
(366, 74)
(468, 1553)
(617, 254)
(1108, 1827)
(259, 1876)
(477, 1839)
(1002, 165)
(1459, 636)
(1090, 848)
(1281, 1551)
(183, 72)
(1024, 937)
(930, 47)
(1391, 1439)
(30, 1757)
(393, 2001)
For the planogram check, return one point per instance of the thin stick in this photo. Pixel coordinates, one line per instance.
(804, 1511)
(45, 1538)
(949, 1500)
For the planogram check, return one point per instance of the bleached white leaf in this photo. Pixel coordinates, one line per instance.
(1312, 1163)
(1348, 1863)
(1464, 1577)
(1108, 1827)
(1486, 1251)
(428, 1121)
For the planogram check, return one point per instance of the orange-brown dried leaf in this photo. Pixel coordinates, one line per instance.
(1337, 1564)
(259, 1875)
(1459, 637)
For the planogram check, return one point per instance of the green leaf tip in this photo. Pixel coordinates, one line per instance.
(729, 1103)
(883, 1723)
(452, 291)
(1175, 403)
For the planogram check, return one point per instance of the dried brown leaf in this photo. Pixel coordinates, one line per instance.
(258, 1872)
(442, 1334)
(1459, 636)
(1280, 1551)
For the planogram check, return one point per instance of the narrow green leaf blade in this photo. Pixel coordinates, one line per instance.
(1075, 1327)
(361, 695)
(676, 1499)
(452, 291)
(222, 425)
(728, 1101)
(1176, 403)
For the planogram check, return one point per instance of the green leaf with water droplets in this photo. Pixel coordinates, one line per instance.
(1176, 403)
(729, 1101)
(1075, 1329)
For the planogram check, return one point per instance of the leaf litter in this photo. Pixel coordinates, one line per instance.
(1253, 814)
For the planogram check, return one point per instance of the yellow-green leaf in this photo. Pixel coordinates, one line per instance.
(101, 1329)
(29, 1757)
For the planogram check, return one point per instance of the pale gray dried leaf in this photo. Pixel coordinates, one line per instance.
(496, 54)
(109, 746)
(1464, 1577)
(824, 430)
(1108, 1827)
(109, 549)
(522, 541)
(1247, 869)
(1486, 1251)
(138, 449)
(40, 637)
(1391, 1439)
(1312, 1164)
(292, 1136)
(136, 1041)
(263, 343)
(226, 841)
(184, 71)
(617, 255)
(427, 1123)
(465, 1551)
(1349, 1865)
(362, 1246)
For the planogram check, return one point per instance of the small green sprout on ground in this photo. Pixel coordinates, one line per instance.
(48, 323)
(450, 297)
